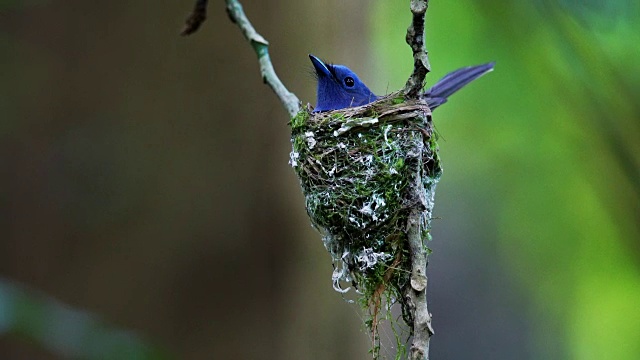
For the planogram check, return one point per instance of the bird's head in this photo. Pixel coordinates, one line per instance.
(339, 87)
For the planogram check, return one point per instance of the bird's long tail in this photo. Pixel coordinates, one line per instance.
(453, 82)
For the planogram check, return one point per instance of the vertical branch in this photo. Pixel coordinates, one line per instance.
(415, 39)
(416, 293)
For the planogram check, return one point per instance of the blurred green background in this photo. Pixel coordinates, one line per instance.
(145, 184)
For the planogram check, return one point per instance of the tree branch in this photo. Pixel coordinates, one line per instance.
(196, 18)
(415, 39)
(416, 294)
(261, 47)
(259, 44)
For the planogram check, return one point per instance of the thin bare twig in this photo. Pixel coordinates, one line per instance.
(260, 46)
(415, 39)
(196, 18)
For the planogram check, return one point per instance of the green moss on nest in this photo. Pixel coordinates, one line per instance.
(299, 120)
(356, 167)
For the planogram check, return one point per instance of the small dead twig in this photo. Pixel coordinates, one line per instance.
(196, 18)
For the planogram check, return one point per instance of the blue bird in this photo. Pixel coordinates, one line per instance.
(339, 87)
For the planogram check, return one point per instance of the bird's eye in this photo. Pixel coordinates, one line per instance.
(349, 81)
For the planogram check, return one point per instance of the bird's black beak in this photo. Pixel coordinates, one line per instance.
(320, 66)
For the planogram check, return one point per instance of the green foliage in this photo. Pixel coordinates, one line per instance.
(65, 331)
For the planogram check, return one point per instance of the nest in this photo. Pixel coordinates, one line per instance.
(363, 171)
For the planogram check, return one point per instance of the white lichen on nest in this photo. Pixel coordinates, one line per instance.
(355, 167)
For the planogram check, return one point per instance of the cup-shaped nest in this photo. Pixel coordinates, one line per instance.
(363, 170)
